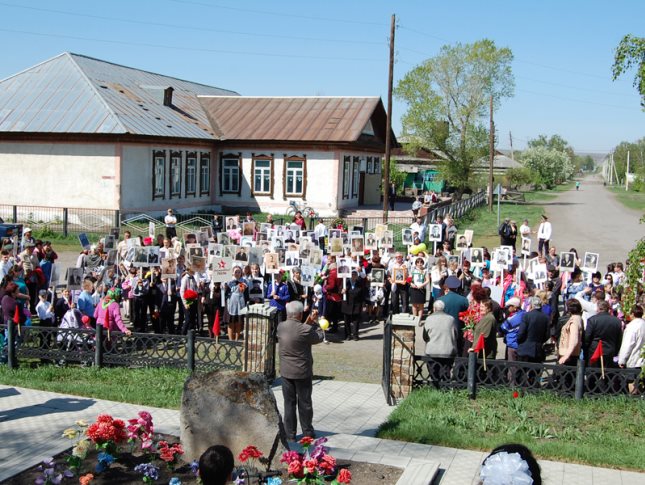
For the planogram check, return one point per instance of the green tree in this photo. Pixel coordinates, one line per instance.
(448, 98)
(396, 176)
(636, 157)
(630, 53)
(555, 142)
(551, 166)
(515, 177)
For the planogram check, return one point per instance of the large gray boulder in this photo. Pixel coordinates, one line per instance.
(235, 409)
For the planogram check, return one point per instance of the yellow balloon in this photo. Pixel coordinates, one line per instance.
(324, 323)
(414, 250)
(421, 247)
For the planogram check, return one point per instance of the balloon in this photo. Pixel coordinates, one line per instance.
(414, 250)
(422, 247)
(324, 323)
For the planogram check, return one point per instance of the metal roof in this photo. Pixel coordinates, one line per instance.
(317, 119)
(71, 93)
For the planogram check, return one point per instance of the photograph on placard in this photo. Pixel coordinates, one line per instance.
(387, 241)
(539, 273)
(476, 256)
(115, 232)
(400, 275)
(288, 236)
(271, 263)
(526, 246)
(202, 239)
(277, 242)
(358, 230)
(406, 236)
(223, 238)
(198, 263)
(264, 244)
(74, 278)
(509, 253)
(567, 261)
(168, 268)
(256, 255)
(344, 267)
(461, 241)
(336, 246)
(111, 257)
(84, 240)
(434, 232)
(190, 238)
(248, 228)
(307, 275)
(109, 243)
(454, 258)
(291, 259)
(292, 247)
(501, 256)
(357, 246)
(215, 249)
(256, 290)
(140, 257)
(379, 229)
(371, 243)
(281, 255)
(208, 230)
(265, 227)
(469, 233)
(590, 262)
(232, 223)
(532, 264)
(247, 241)
(345, 237)
(316, 257)
(304, 240)
(304, 252)
(241, 254)
(153, 255)
(194, 250)
(229, 251)
(377, 276)
(261, 236)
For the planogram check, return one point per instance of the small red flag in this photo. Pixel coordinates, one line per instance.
(16, 315)
(597, 353)
(106, 321)
(216, 325)
(480, 344)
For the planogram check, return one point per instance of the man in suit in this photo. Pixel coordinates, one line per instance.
(605, 327)
(533, 333)
(296, 367)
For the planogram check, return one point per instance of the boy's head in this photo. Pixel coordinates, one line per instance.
(216, 465)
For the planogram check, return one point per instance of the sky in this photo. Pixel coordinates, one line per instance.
(563, 51)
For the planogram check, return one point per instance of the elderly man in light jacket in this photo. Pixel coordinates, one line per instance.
(440, 332)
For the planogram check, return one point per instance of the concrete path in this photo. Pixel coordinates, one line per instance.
(31, 423)
(592, 220)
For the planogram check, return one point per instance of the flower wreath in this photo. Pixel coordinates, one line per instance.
(505, 469)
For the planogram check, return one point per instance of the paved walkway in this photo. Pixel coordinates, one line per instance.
(31, 423)
(593, 220)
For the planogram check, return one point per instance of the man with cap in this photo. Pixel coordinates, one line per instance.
(511, 326)
(26, 238)
(28, 257)
(533, 333)
(454, 304)
(170, 220)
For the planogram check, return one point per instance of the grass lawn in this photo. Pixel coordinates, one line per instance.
(484, 223)
(631, 199)
(158, 387)
(607, 432)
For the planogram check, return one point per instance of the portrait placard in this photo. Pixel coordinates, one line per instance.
(400, 275)
(271, 263)
(434, 232)
(74, 278)
(344, 267)
(222, 270)
(590, 263)
(84, 240)
(291, 259)
(461, 242)
(241, 254)
(357, 246)
(153, 255)
(336, 246)
(406, 236)
(469, 233)
(377, 276)
(387, 241)
(371, 243)
(169, 268)
(308, 275)
(232, 223)
(539, 273)
(477, 256)
(567, 261)
(379, 230)
(526, 246)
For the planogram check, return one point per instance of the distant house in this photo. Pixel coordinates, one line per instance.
(80, 132)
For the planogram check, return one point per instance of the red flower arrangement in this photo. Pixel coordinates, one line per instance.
(107, 430)
(141, 428)
(249, 453)
(169, 453)
(470, 318)
(313, 466)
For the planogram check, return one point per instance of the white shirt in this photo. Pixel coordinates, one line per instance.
(633, 342)
(170, 220)
(320, 231)
(544, 231)
(42, 309)
(525, 231)
(589, 309)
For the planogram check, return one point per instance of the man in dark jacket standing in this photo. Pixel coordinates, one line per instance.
(605, 327)
(295, 339)
(533, 333)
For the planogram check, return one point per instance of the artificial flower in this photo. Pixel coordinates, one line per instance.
(174, 481)
(86, 479)
(344, 476)
(70, 433)
(306, 441)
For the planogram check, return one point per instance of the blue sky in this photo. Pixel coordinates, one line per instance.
(563, 51)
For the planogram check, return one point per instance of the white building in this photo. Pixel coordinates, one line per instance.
(79, 132)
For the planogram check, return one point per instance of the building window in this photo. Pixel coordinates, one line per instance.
(295, 171)
(159, 175)
(231, 175)
(357, 163)
(346, 176)
(370, 166)
(205, 174)
(191, 173)
(377, 165)
(175, 174)
(262, 175)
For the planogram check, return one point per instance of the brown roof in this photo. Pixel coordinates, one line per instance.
(311, 119)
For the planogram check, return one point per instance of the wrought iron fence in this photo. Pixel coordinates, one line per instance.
(61, 219)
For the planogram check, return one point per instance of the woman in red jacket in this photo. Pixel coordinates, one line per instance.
(332, 287)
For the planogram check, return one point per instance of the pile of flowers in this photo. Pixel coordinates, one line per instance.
(140, 429)
(314, 465)
(470, 318)
(169, 453)
(107, 433)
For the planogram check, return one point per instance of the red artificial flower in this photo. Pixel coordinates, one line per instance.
(243, 456)
(306, 441)
(190, 294)
(327, 464)
(516, 394)
(107, 429)
(250, 452)
(344, 476)
(310, 465)
(295, 469)
(289, 456)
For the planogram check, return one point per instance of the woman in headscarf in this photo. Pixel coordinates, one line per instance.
(108, 312)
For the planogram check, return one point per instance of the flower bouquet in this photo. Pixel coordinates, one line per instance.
(314, 465)
(470, 318)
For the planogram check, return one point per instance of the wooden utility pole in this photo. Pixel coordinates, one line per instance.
(510, 136)
(388, 137)
(627, 173)
(492, 158)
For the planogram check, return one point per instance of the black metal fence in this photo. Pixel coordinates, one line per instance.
(97, 348)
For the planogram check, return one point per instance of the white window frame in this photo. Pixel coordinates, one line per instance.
(159, 170)
(175, 176)
(205, 174)
(191, 175)
(294, 172)
(230, 174)
(264, 172)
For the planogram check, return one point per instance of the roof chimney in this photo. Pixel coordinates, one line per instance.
(167, 96)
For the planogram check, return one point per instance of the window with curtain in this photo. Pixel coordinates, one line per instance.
(295, 177)
(230, 175)
(262, 176)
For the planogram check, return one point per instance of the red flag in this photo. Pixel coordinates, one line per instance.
(597, 353)
(16, 315)
(216, 326)
(480, 344)
(106, 320)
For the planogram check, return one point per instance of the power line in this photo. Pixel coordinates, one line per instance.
(578, 88)
(190, 49)
(190, 27)
(631, 108)
(279, 14)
